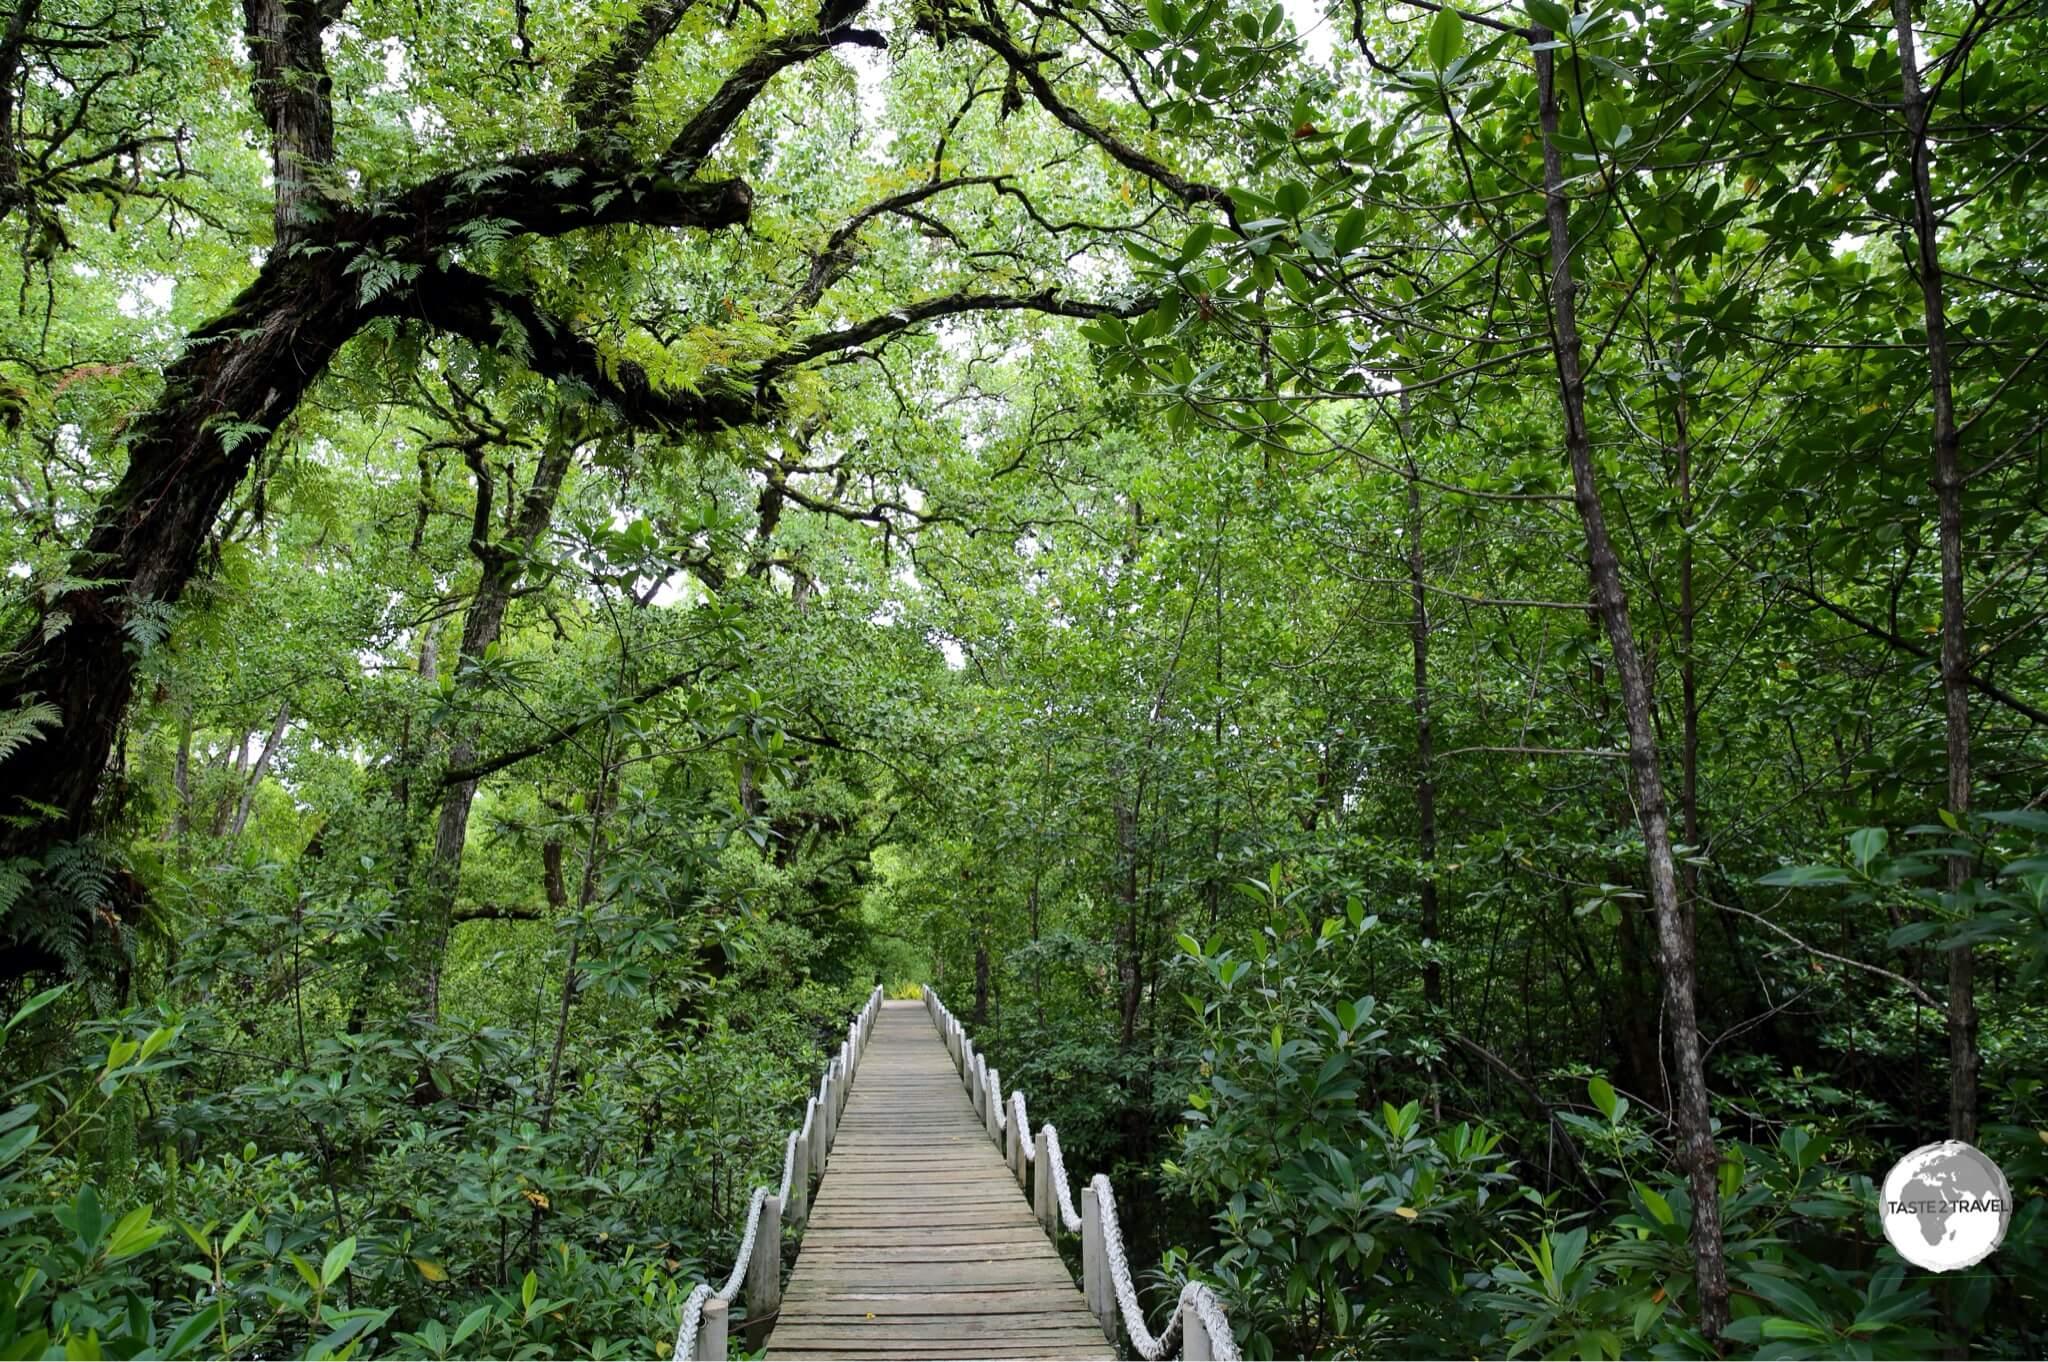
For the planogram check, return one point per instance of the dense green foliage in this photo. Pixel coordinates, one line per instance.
(1431, 621)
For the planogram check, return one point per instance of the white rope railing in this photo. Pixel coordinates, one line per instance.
(1198, 1323)
(1056, 1167)
(701, 1334)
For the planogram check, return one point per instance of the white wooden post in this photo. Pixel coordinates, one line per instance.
(1044, 1200)
(1012, 1145)
(830, 1111)
(1195, 1345)
(800, 1183)
(711, 1332)
(816, 1118)
(992, 1104)
(764, 1273)
(1095, 1265)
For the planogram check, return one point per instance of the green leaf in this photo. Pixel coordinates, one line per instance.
(187, 1336)
(1606, 121)
(1446, 38)
(305, 1270)
(1801, 876)
(337, 1260)
(471, 1322)
(1549, 14)
(1350, 232)
(34, 1005)
(1911, 934)
(1602, 1093)
(133, 1234)
(1787, 1297)
(345, 1333)
(14, 1142)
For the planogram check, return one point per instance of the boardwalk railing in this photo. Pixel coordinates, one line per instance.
(1198, 1323)
(758, 1265)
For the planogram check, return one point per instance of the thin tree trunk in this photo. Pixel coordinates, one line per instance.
(503, 566)
(980, 974)
(224, 807)
(181, 781)
(1691, 1112)
(1688, 678)
(1130, 980)
(1425, 737)
(284, 718)
(584, 895)
(1955, 654)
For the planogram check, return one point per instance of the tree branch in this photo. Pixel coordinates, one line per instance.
(1906, 645)
(704, 131)
(940, 21)
(1047, 301)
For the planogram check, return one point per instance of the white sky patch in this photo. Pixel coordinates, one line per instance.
(1318, 34)
(395, 68)
(871, 75)
(149, 296)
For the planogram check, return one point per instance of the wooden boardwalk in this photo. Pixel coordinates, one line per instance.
(920, 1244)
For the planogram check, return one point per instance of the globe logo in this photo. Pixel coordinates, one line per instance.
(1945, 1206)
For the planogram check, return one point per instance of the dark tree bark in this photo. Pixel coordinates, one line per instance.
(294, 97)
(1948, 492)
(12, 42)
(1691, 1113)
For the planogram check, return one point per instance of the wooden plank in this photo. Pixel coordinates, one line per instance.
(920, 1245)
(892, 1333)
(1016, 1300)
(923, 1274)
(1020, 1350)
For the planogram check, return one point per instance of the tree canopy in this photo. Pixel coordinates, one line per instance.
(1429, 618)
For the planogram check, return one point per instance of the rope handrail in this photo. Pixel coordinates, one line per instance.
(1198, 1302)
(831, 1090)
